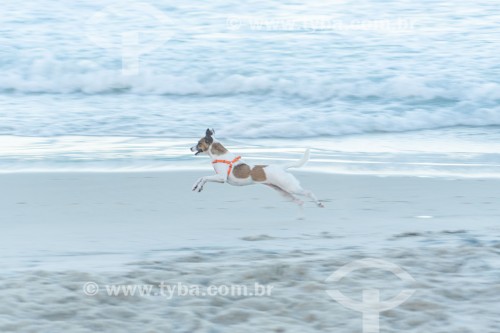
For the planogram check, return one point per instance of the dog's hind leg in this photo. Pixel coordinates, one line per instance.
(290, 185)
(310, 195)
(286, 194)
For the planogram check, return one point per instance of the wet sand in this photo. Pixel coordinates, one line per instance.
(63, 230)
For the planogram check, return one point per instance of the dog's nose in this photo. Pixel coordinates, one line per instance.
(193, 148)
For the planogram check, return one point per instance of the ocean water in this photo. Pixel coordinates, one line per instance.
(385, 87)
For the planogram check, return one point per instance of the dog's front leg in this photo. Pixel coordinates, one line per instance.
(198, 186)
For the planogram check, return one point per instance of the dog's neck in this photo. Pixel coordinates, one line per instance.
(216, 149)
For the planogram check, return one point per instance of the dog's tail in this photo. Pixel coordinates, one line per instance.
(299, 163)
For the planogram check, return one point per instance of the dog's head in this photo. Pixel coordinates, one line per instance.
(204, 143)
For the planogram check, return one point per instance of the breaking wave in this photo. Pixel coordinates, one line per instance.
(50, 76)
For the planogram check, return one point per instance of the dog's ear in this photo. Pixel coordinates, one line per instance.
(209, 133)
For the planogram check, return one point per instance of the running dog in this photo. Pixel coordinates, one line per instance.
(231, 169)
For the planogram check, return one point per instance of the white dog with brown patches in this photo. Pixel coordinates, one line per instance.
(230, 169)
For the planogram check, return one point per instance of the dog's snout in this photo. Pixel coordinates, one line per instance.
(193, 148)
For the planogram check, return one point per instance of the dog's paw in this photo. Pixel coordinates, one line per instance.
(198, 186)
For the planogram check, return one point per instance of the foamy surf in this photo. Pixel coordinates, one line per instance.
(440, 153)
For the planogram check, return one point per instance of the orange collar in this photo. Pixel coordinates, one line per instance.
(227, 162)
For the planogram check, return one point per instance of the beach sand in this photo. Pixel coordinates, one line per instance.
(61, 231)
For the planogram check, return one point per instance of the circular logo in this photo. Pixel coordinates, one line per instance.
(90, 288)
